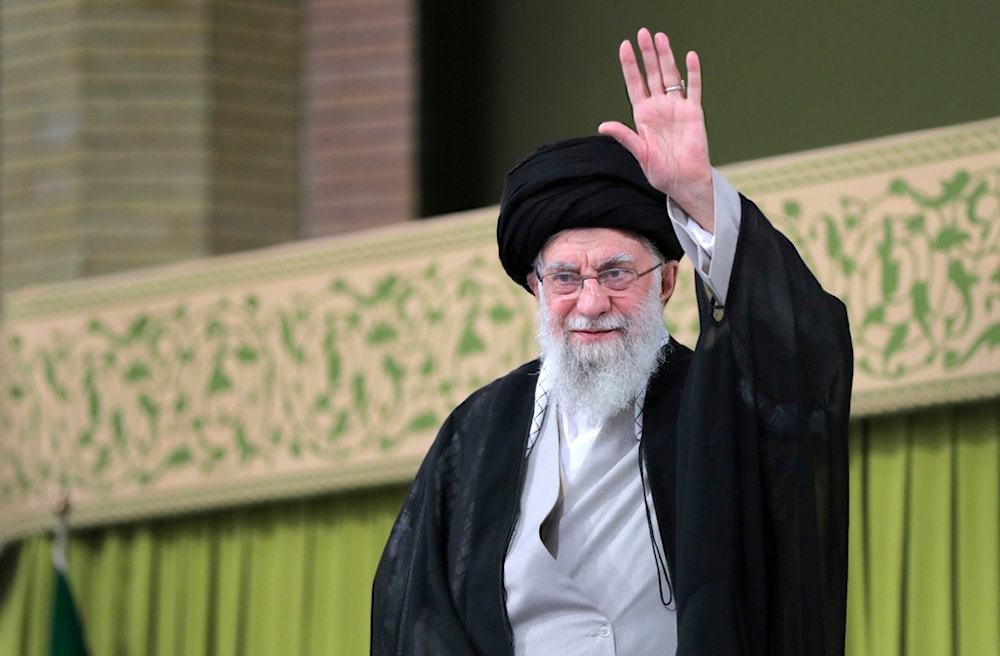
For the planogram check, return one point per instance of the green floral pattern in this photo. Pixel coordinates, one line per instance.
(919, 270)
(237, 382)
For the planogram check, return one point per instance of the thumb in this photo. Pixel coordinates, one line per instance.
(623, 135)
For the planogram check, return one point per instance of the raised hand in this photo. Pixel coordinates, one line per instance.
(669, 141)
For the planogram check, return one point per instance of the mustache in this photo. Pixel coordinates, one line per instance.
(619, 322)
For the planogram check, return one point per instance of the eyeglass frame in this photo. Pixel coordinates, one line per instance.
(541, 278)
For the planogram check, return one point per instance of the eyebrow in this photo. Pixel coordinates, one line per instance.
(607, 263)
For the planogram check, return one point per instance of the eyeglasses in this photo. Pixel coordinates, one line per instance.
(617, 279)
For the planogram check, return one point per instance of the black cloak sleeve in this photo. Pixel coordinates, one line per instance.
(762, 461)
(438, 587)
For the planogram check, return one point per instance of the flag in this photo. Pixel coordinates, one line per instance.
(67, 631)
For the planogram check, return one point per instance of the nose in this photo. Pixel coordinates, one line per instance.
(593, 300)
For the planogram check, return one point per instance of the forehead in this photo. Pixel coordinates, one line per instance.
(591, 246)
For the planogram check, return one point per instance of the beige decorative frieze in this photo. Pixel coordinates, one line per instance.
(906, 230)
(330, 364)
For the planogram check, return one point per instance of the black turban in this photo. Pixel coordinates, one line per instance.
(589, 182)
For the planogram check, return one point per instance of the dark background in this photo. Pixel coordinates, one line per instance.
(501, 78)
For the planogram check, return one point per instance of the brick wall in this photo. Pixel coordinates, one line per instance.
(39, 137)
(143, 144)
(143, 132)
(255, 117)
(360, 76)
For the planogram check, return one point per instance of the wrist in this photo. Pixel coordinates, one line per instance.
(698, 202)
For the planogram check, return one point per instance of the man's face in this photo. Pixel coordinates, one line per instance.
(594, 315)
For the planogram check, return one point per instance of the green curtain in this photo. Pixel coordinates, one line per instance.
(294, 578)
(286, 579)
(925, 533)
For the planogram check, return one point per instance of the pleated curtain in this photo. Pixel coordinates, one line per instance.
(285, 579)
(925, 533)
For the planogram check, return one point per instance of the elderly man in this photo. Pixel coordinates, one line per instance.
(625, 495)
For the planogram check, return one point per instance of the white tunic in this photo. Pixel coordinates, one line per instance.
(580, 573)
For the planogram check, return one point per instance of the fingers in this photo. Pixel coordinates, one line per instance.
(650, 61)
(658, 61)
(669, 75)
(634, 83)
(694, 77)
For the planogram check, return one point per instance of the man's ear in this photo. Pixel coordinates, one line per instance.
(533, 283)
(668, 280)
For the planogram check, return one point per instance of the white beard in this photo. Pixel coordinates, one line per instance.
(598, 380)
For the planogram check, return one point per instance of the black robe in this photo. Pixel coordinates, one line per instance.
(745, 441)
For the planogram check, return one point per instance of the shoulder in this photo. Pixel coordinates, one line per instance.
(510, 390)
(675, 359)
(673, 369)
(479, 429)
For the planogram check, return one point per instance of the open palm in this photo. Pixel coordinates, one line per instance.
(669, 141)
